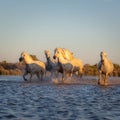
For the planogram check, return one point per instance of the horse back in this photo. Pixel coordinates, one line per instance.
(77, 62)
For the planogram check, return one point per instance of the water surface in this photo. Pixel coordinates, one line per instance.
(21, 100)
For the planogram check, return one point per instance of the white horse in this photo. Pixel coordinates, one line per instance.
(68, 55)
(52, 65)
(65, 64)
(32, 66)
(105, 67)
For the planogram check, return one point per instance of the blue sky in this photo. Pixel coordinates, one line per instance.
(86, 27)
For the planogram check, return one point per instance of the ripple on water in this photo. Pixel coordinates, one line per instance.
(19, 101)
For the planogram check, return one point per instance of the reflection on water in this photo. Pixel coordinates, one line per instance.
(36, 101)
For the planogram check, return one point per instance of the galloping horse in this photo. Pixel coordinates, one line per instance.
(105, 67)
(32, 66)
(64, 63)
(51, 64)
(68, 55)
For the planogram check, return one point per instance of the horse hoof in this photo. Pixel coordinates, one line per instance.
(25, 79)
(99, 82)
(106, 84)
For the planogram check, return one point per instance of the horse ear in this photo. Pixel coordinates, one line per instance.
(72, 55)
(55, 49)
(45, 51)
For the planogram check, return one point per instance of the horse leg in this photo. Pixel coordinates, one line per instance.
(80, 74)
(40, 76)
(100, 76)
(52, 74)
(24, 76)
(45, 73)
(37, 74)
(56, 73)
(106, 79)
(42, 73)
(62, 78)
(30, 77)
(63, 75)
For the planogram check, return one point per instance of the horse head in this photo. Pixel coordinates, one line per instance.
(56, 53)
(25, 57)
(47, 54)
(103, 56)
(21, 57)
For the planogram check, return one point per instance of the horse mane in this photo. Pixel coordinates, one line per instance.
(67, 54)
(25, 54)
(103, 52)
(34, 57)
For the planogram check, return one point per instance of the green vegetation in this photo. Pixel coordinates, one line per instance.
(17, 68)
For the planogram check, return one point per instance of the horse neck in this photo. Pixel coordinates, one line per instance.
(28, 61)
(62, 60)
(106, 61)
(68, 56)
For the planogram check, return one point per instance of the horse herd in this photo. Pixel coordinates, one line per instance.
(64, 62)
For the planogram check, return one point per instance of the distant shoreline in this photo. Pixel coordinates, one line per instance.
(7, 68)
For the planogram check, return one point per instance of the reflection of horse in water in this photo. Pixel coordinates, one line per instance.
(69, 63)
(32, 66)
(105, 67)
(52, 65)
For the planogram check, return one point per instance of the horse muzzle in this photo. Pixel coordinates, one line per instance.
(102, 61)
(54, 57)
(20, 59)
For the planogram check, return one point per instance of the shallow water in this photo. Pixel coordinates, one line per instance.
(21, 100)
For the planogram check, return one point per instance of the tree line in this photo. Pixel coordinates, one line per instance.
(7, 68)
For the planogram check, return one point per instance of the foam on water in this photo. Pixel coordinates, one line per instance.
(74, 80)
